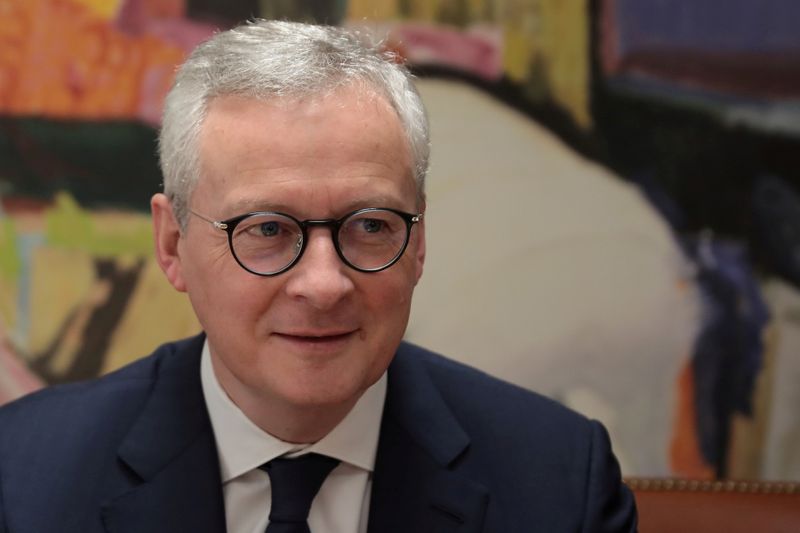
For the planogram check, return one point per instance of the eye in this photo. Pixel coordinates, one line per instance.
(266, 227)
(372, 225)
(269, 229)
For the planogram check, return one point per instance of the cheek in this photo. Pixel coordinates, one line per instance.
(228, 298)
(205, 260)
(244, 298)
(390, 298)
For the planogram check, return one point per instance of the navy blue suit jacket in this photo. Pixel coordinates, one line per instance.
(459, 451)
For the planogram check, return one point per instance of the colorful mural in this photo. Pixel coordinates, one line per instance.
(644, 155)
(82, 84)
(696, 102)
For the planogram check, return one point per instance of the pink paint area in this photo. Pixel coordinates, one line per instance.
(15, 378)
(161, 22)
(182, 33)
(477, 50)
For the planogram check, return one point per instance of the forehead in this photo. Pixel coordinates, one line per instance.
(342, 145)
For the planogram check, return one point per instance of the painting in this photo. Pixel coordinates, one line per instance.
(612, 208)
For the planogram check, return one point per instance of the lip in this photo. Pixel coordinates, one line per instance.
(317, 334)
(317, 340)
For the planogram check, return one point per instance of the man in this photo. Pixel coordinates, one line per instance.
(294, 159)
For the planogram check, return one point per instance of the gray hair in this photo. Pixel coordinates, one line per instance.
(272, 59)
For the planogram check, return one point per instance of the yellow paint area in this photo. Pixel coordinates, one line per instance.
(424, 10)
(64, 289)
(8, 304)
(384, 10)
(357, 10)
(62, 282)
(546, 48)
(9, 257)
(545, 42)
(156, 313)
(565, 44)
(105, 9)
(517, 52)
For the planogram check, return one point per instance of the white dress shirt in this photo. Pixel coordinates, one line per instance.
(342, 504)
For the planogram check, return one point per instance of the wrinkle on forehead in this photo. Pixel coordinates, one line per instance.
(301, 141)
(305, 110)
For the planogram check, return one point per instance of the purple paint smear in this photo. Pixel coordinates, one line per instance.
(709, 25)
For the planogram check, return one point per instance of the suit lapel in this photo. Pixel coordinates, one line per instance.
(173, 481)
(170, 477)
(415, 487)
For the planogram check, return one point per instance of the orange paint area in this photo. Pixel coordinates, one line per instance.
(686, 459)
(60, 59)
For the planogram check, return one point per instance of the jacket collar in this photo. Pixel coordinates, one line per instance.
(173, 481)
(170, 454)
(416, 486)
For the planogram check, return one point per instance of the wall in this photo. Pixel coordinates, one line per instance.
(614, 164)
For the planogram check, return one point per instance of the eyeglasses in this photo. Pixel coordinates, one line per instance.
(268, 243)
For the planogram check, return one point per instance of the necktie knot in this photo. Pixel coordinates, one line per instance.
(295, 483)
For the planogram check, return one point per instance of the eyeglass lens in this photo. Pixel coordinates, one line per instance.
(268, 243)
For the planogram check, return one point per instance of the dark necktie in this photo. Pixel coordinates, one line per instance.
(295, 482)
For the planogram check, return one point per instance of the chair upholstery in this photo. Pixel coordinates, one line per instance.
(689, 506)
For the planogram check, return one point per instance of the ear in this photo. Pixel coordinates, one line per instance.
(167, 235)
(419, 256)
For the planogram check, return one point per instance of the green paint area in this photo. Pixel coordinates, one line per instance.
(102, 234)
(10, 262)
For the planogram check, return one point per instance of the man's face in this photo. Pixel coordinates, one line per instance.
(320, 333)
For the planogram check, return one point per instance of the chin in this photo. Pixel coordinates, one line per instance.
(320, 392)
(320, 399)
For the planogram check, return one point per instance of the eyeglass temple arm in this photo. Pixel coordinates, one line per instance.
(217, 224)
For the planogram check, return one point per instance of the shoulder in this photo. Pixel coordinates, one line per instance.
(533, 454)
(510, 429)
(61, 434)
(479, 398)
(71, 409)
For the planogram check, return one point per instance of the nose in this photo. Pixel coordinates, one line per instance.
(320, 278)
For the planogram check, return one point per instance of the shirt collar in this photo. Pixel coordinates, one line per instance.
(242, 446)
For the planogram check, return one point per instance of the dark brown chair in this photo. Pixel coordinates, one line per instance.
(691, 506)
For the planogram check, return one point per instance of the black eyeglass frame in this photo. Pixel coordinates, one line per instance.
(229, 226)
